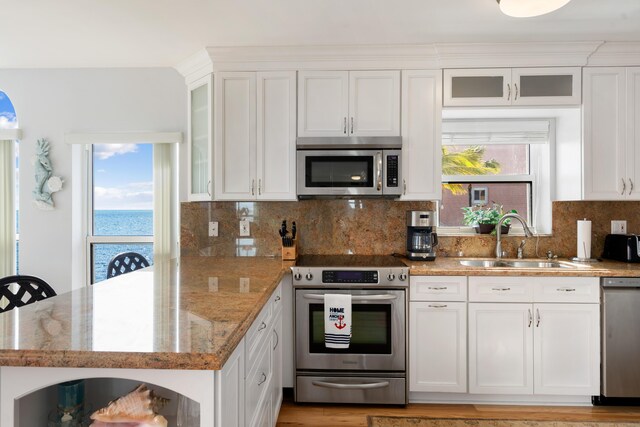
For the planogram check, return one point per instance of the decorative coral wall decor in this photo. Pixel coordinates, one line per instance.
(46, 182)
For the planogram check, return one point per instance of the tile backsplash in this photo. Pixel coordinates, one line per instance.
(374, 226)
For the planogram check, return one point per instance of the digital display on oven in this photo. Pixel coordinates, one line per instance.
(349, 276)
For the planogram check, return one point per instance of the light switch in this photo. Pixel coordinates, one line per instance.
(619, 227)
(245, 228)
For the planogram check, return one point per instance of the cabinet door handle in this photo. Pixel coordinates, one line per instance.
(404, 187)
(277, 339)
(263, 378)
(438, 288)
(566, 289)
(438, 305)
(501, 289)
(262, 326)
(259, 187)
(537, 317)
(351, 125)
(530, 319)
(515, 98)
(209, 188)
(624, 186)
(344, 126)
(631, 184)
(277, 298)
(508, 92)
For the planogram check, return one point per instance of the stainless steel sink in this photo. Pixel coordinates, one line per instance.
(500, 263)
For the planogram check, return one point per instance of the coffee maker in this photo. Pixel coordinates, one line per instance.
(421, 236)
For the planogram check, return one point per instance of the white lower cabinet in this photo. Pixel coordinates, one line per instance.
(525, 335)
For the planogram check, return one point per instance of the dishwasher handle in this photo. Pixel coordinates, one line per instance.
(620, 282)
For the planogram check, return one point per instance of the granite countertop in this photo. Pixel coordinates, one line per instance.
(189, 313)
(444, 266)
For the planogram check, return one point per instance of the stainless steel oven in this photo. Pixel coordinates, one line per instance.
(373, 368)
(355, 169)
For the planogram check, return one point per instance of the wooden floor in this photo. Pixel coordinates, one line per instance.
(337, 416)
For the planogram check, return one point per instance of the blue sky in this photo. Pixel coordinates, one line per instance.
(123, 176)
(7, 112)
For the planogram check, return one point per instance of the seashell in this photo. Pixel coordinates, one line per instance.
(139, 406)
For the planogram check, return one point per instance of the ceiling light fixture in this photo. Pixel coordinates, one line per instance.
(528, 8)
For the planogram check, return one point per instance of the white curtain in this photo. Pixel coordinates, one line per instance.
(7, 208)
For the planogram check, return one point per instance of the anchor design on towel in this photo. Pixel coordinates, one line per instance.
(340, 324)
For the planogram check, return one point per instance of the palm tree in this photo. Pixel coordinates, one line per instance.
(466, 162)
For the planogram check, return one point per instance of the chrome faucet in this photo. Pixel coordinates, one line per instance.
(527, 231)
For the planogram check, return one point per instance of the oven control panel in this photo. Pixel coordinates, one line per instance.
(349, 276)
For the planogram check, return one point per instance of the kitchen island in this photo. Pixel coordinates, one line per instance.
(176, 325)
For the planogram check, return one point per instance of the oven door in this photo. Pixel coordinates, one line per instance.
(378, 326)
(339, 172)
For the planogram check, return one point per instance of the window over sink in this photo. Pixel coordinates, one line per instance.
(505, 162)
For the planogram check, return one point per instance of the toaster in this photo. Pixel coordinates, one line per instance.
(622, 247)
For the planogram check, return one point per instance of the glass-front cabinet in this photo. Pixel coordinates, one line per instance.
(200, 139)
(512, 86)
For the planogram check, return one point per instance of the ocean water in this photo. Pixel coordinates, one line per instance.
(120, 223)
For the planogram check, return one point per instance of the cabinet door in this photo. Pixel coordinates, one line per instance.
(633, 132)
(276, 379)
(276, 138)
(374, 103)
(605, 176)
(230, 391)
(546, 86)
(566, 349)
(323, 102)
(421, 135)
(201, 139)
(500, 348)
(478, 87)
(438, 346)
(235, 136)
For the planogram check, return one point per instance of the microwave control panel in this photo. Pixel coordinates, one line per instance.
(392, 171)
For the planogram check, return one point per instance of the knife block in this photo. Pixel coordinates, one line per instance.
(290, 253)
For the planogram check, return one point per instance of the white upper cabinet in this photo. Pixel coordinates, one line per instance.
(512, 86)
(349, 103)
(235, 136)
(255, 136)
(200, 139)
(421, 134)
(611, 133)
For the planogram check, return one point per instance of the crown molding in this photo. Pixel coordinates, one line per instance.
(614, 54)
(507, 55)
(196, 66)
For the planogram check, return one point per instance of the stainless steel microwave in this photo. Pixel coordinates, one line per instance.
(346, 167)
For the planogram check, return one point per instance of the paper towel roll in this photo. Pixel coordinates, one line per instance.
(584, 239)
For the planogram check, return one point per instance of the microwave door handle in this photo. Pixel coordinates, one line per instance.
(362, 386)
(379, 172)
(380, 297)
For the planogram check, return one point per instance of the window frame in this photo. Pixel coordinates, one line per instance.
(541, 190)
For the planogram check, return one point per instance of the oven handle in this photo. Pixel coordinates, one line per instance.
(364, 386)
(355, 297)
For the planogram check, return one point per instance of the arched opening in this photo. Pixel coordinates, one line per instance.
(9, 171)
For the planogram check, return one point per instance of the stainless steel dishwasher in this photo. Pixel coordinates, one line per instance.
(620, 375)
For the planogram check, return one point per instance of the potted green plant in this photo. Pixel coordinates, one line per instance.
(485, 218)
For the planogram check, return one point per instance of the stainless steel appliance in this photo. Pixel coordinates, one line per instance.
(373, 368)
(620, 375)
(421, 236)
(622, 247)
(346, 167)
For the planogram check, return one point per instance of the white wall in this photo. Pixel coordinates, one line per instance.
(50, 103)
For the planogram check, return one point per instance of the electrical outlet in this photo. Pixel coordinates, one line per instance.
(244, 285)
(619, 227)
(213, 228)
(245, 228)
(213, 284)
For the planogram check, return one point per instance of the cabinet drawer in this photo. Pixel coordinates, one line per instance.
(257, 335)
(258, 382)
(567, 289)
(438, 288)
(501, 289)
